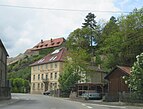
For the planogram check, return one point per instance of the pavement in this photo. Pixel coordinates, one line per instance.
(8, 102)
(107, 103)
(98, 102)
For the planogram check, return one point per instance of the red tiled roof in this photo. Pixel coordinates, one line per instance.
(48, 43)
(56, 56)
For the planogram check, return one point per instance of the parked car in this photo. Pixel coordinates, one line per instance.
(46, 92)
(91, 96)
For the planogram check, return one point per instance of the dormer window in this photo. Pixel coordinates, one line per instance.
(46, 45)
(41, 45)
(58, 42)
(52, 43)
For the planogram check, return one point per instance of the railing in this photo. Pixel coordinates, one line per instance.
(45, 80)
(124, 97)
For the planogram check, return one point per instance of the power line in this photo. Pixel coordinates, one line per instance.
(61, 9)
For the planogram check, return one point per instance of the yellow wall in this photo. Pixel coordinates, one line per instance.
(46, 69)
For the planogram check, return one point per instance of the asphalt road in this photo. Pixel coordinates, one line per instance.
(27, 101)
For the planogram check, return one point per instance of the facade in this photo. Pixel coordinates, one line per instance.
(4, 83)
(44, 44)
(116, 84)
(45, 72)
(94, 82)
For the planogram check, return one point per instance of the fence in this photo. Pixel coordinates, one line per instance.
(124, 97)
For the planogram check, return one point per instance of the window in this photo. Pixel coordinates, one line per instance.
(41, 85)
(55, 85)
(33, 77)
(46, 76)
(46, 66)
(55, 65)
(34, 68)
(51, 85)
(38, 85)
(51, 75)
(38, 67)
(51, 65)
(38, 76)
(56, 75)
(33, 86)
(42, 67)
(42, 76)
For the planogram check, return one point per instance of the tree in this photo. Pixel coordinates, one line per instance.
(90, 21)
(68, 79)
(74, 66)
(19, 85)
(135, 80)
(92, 26)
(121, 40)
(131, 27)
(77, 40)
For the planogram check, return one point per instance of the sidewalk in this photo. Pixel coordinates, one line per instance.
(107, 103)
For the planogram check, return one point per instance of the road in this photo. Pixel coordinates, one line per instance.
(27, 101)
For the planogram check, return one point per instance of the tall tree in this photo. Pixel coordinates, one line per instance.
(92, 26)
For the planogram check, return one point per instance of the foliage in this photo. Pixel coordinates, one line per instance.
(19, 85)
(135, 80)
(121, 40)
(21, 72)
(67, 79)
(74, 66)
(44, 52)
(92, 27)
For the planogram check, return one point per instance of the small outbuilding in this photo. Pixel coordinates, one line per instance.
(116, 83)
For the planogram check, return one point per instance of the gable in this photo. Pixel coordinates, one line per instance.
(118, 72)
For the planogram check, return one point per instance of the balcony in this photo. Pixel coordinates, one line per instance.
(44, 80)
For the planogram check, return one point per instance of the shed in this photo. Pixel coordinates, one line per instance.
(116, 83)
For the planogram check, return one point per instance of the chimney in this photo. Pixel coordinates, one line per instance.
(51, 40)
(41, 40)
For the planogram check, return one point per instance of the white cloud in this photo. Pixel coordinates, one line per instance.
(23, 28)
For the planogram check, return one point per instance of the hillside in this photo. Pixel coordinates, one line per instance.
(20, 68)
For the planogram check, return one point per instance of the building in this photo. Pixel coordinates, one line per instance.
(4, 83)
(93, 82)
(116, 83)
(44, 44)
(45, 72)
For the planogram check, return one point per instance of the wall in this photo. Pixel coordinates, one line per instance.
(49, 83)
(116, 83)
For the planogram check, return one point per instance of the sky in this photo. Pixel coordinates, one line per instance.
(22, 28)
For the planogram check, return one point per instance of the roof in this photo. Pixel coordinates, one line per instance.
(56, 56)
(1, 44)
(126, 70)
(48, 43)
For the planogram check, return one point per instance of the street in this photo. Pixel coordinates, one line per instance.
(27, 101)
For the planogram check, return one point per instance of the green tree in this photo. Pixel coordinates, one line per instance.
(93, 28)
(68, 79)
(135, 80)
(77, 40)
(19, 85)
(74, 66)
(131, 28)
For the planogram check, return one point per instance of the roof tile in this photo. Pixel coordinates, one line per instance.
(56, 56)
